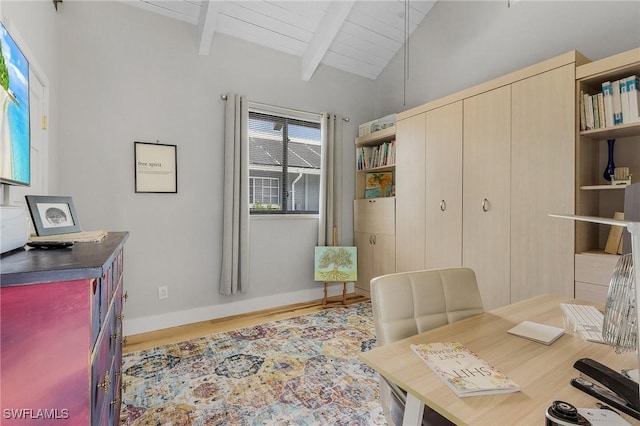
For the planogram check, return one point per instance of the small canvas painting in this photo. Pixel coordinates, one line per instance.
(378, 185)
(335, 264)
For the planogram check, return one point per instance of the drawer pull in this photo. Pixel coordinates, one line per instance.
(106, 383)
(443, 205)
(485, 205)
(125, 296)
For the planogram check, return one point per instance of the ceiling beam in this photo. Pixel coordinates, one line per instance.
(327, 29)
(207, 25)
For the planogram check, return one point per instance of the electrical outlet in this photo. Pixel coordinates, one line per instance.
(163, 292)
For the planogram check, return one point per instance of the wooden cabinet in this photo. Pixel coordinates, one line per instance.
(61, 341)
(542, 182)
(429, 193)
(443, 191)
(410, 194)
(498, 158)
(374, 229)
(486, 195)
(374, 220)
(594, 195)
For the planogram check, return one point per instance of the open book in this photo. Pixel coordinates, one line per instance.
(462, 370)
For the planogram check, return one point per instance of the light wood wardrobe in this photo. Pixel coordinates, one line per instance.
(477, 175)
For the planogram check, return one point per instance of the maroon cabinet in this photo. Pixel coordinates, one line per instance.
(61, 334)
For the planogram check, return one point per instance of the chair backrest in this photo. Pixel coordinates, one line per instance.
(407, 303)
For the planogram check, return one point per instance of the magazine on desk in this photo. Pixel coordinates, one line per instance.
(463, 371)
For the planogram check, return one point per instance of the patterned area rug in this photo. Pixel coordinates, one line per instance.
(299, 371)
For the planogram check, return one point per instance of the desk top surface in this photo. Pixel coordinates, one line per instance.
(542, 372)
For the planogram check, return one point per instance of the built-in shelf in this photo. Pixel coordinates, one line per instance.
(619, 131)
(387, 168)
(376, 137)
(602, 187)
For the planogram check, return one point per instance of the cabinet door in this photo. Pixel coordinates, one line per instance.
(410, 193)
(365, 261)
(384, 254)
(443, 189)
(486, 174)
(542, 182)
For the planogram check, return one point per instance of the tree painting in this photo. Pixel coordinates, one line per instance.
(336, 264)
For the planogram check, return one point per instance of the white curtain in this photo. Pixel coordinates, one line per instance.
(235, 234)
(331, 182)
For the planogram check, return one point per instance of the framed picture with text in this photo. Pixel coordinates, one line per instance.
(155, 167)
(53, 215)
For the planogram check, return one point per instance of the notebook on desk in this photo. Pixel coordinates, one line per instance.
(541, 333)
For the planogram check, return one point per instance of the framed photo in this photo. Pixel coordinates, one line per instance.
(335, 264)
(53, 215)
(155, 167)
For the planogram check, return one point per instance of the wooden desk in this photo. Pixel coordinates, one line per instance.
(543, 372)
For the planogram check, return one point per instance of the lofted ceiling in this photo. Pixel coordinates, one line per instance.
(356, 36)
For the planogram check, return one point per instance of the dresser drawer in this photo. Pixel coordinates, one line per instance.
(595, 268)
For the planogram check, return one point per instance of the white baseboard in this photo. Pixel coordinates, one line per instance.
(190, 316)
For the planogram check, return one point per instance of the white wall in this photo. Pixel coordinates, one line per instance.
(463, 43)
(129, 75)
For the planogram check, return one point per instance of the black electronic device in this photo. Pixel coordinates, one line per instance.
(50, 244)
(612, 387)
(562, 413)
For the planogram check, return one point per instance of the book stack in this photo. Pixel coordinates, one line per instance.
(381, 155)
(617, 103)
(463, 371)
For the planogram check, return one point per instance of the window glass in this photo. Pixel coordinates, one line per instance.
(284, 164)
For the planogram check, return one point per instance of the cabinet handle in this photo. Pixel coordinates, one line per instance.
(485, 205)
(106, 383)
(372, 201)
(125, 296)
(374, 239)
(443, 205)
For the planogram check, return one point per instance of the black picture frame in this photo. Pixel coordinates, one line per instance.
(156, 167)
(53, 215)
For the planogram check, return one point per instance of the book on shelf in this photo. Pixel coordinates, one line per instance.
(583, 116)
(368, 157)
(608, 103)
(633, 83)
(596, 116)
(617, 102)
(463, 371)
(624, 101)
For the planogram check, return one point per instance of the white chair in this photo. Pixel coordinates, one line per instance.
(408, 303)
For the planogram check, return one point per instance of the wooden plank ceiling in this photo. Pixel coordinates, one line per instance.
(356, 36)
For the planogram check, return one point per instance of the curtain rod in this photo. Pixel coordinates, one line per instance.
(224, 97)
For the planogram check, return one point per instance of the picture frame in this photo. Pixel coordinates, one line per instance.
(156, 167)
(53, 215)
(335, 264)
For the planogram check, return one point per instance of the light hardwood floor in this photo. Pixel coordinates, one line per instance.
(166, 336)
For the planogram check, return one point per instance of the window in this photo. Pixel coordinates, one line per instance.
(284, 161)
